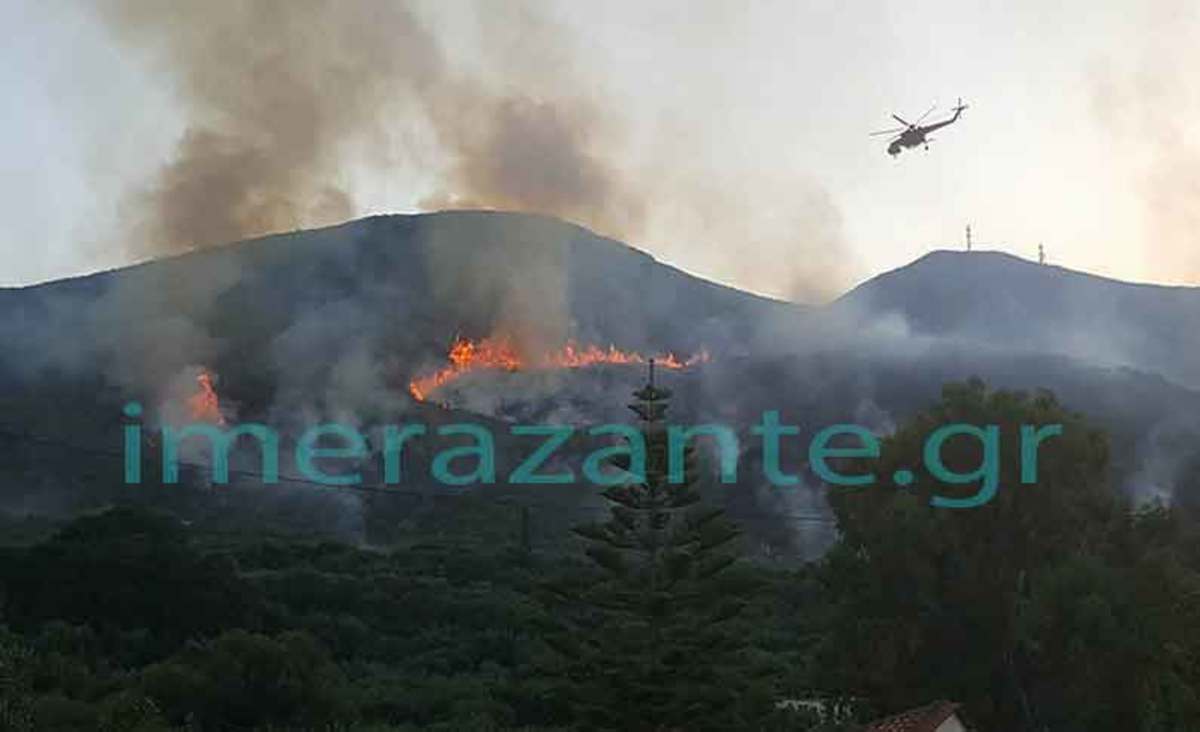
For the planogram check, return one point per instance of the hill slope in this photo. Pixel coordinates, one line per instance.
(1001, 300)
(286, 311)
(332, 323)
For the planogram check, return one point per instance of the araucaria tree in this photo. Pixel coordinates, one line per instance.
(648, 643)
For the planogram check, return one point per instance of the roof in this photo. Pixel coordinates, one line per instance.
(922, 719)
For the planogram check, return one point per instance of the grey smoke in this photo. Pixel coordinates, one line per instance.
(282, 97)
(273, 90)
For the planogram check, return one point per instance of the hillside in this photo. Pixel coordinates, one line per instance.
(397, 288)
(333, 324)
(1003, 301)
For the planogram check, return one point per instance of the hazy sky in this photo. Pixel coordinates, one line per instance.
(729, 140)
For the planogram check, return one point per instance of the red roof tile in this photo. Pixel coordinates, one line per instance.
(922, 719)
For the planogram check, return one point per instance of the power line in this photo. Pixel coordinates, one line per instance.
(367, 488)
(199, 467)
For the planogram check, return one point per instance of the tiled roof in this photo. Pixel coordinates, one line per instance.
(922, 719)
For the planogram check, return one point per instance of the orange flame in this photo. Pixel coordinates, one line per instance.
(204, 405)
(498, 352)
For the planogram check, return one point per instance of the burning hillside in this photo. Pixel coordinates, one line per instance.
(501, 353)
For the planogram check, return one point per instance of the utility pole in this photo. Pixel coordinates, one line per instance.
(1041, 254)
(968, 237)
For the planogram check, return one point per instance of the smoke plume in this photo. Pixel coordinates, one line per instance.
(541, 158)
(284, 98)
(278, 92)
(273, 91)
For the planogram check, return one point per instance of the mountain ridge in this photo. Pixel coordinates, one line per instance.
(333, 323)
(478, 268)
(935, 256)
(1002, 300)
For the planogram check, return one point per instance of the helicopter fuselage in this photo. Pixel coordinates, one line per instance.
(917, 134)
(908, 138)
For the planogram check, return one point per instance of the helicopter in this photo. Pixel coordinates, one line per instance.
(914, 133)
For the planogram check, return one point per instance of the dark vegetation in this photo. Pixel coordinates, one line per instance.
(1054, 607)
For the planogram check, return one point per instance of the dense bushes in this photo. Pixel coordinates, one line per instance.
(1055, 606)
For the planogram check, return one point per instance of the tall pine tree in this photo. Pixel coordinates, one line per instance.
(648, 643)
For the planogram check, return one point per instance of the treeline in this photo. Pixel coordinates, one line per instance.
(1054, 607)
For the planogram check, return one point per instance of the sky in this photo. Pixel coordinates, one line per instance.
(728, 139)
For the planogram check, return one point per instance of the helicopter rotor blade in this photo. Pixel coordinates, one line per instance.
(901, 120)
(922, 117)
(892, 131)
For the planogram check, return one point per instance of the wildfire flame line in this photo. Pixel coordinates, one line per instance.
(499, 353)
